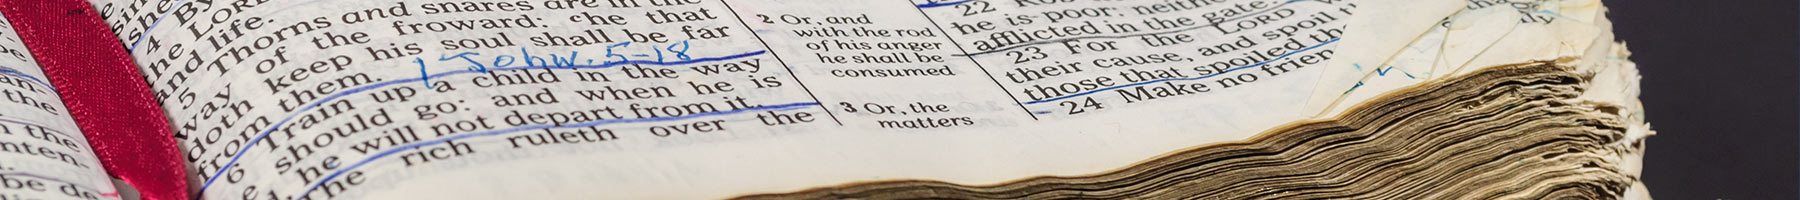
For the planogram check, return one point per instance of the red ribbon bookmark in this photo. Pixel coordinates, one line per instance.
(104, 92)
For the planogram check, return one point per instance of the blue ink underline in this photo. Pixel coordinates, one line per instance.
(265, 133)
(159, 19)
(1007, 47)
(1185, 79)
(942, 4)
(13, 72)
(414, 145)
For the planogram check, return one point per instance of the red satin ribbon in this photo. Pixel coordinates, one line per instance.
(104, 92)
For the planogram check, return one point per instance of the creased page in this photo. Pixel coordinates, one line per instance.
(1484, 34)
(43, 154)
(1379, 34)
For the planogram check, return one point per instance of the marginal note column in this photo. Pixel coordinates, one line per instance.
(878, 64)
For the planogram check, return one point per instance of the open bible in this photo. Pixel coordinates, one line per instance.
(818, 99)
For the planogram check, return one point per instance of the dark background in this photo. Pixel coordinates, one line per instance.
(1721, 87)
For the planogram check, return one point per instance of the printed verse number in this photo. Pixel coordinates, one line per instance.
(1027, 54)
(975, 7)
(1085, 105)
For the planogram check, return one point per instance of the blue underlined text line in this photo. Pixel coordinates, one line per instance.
(413, 146)
(15, 73)
(159, 19)
(1266, 62)
(316, 103)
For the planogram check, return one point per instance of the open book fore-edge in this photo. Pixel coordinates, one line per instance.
(1506, 132)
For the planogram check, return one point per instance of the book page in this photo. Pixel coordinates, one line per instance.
(681, 99)
(43, 154)
(1483, 34)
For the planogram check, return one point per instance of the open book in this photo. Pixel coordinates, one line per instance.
(825, 99)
